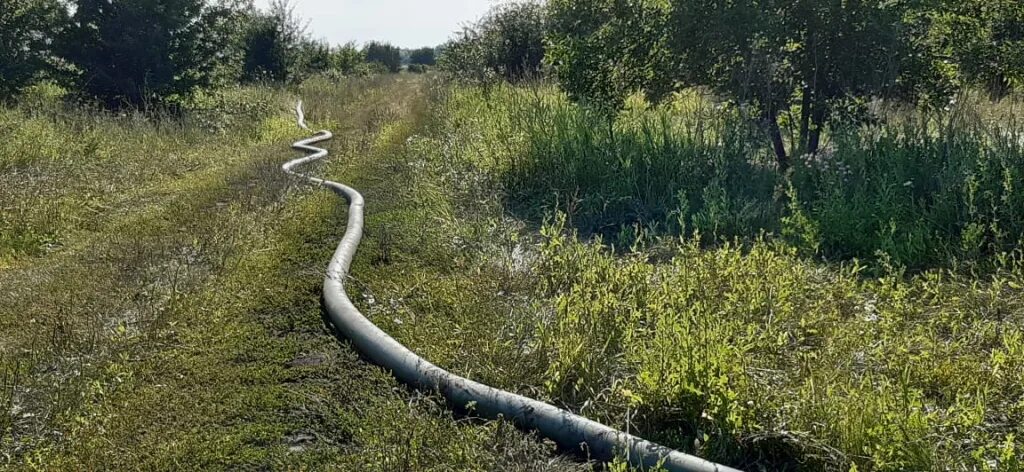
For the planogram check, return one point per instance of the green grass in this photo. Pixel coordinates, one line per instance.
(770, 360)
(741, 345)
(923, 188)
(161, 308)
(169, 319)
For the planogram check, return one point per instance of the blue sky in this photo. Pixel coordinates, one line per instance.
(405, 23)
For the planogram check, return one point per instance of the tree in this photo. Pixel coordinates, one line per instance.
(603, 50)
(28, 29)
(767, 55)
(985, 39)
(274, 43)
(767, 52)
(422, 56)
(507, 43)
(145, 52)
(348, 59)
(388, 56)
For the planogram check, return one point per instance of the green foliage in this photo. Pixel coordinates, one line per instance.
(275, 48)
(746, 352)
(27, 31)
(604, 51)
(320, 58)
(814, 55)
(423, 56)
(143, 53)
(316, 57)
(384, 54)
(985, 40)
(348, 59)
(506, 44)
(923, 188)
(823, 51)
(756, 358)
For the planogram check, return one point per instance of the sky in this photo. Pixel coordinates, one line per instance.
(404, 23)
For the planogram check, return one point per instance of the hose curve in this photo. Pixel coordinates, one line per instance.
(567, 429)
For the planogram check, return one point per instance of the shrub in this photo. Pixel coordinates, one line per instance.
(818, 56)
(920, 190)
(422, 56)
(986, 40)
(348, 59)
(603, 51)
(388, 56)
(315, 57)
(756, 358)
(508, 44)
(146, 53)
(274, 46)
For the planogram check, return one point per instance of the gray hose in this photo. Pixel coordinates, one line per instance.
(568, 430)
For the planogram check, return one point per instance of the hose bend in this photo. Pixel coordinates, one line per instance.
(567, 429)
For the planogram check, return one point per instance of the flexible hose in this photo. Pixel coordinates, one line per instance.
(568, 430)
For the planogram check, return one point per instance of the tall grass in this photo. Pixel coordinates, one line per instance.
(861, 312)
(922, 189)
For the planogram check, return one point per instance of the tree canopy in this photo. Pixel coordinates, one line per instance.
(28, 29)
(508, 43)
(141, 52)
(385, 54)
(422, 56)
(768, 55)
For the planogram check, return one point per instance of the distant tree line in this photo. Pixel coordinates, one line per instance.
(142, 53)
(820, 57)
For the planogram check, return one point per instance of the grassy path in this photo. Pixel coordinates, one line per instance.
(181, 330)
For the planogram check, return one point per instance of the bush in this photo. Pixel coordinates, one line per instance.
(422, 56)
(986, 40)
(147, 53)
(274, 46)
(348, 59)
(602, 51)
(508, 44)
(28, 29)
(756, 358)
(388, 56)
(315, 57)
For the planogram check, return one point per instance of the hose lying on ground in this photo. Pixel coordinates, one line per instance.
(568, 430)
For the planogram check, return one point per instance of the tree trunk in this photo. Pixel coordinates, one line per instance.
(998, 87)
(805, 119)
(775, 134)
(818, 118)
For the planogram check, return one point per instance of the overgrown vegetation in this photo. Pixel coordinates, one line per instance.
(507, 44)
(161, 309)
(746, 352)
(159, 56)
(780, 235)
(918, 189)
(26, 55)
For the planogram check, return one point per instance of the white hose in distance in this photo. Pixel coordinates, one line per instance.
(567, 429)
